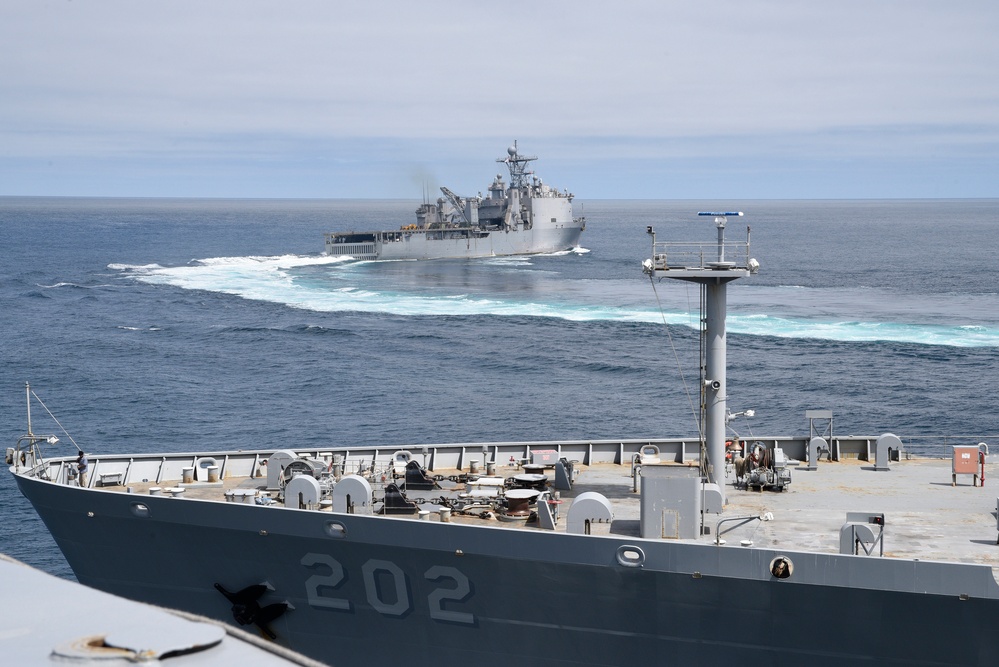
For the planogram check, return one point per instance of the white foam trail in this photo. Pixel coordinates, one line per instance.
(510, 260)
(270, 279)
(578, 250)
(277, 262)
(133, 267)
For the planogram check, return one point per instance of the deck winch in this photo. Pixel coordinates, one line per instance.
(284, 464)
(303, 482)
(764, 467)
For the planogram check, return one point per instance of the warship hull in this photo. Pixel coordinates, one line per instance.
(427, 592)
(459, 243)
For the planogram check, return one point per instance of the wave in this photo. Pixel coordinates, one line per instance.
(274, 262)
(72, 285)
(252, 261)
(865, 332)
(115, 266)
(578, 250)
(289, 280)
(509, 260)
(308, 329)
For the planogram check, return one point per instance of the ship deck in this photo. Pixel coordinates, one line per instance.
(926, 517)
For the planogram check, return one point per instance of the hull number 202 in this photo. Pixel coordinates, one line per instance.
(386, 588)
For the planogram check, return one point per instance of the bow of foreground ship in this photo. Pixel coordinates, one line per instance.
(812, 549)
(525, 217)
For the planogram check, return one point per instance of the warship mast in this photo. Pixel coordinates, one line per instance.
(712, 266)
(518, 166)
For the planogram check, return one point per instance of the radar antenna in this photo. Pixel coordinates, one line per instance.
(517, 164)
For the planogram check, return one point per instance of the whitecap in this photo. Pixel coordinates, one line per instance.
(114, 266)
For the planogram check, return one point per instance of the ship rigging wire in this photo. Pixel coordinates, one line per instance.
(676, 357)
(42, 403)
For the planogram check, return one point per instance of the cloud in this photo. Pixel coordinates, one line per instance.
(193, 80)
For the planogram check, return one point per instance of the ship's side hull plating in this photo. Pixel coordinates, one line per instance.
(429, 593)
(443, 244)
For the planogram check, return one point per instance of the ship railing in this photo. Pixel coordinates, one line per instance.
(668, 255)
(158, 468)
(923, 446)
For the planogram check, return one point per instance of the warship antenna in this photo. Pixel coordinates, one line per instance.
(713, 267)
(27, 396)
(517, 164)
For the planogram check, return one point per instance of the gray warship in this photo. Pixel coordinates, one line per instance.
(525, 217)
(804, 549)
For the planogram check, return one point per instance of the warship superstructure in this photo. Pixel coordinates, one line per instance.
(807, 549)
(525, 216)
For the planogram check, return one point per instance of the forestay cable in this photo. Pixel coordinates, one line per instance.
(42, 403)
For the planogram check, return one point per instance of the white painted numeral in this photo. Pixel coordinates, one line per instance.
(459, 593)
(387, 588)
(333, 580)
(402, 603)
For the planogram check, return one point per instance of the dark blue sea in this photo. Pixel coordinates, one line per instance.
(179, 325)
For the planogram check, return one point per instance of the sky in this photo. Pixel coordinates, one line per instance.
(714, 99)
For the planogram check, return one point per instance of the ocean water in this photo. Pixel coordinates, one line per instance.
(177, 325)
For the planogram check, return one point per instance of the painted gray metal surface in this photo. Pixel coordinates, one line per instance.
(528, 217)
(47, 620)
(446, 591)
(416, 245)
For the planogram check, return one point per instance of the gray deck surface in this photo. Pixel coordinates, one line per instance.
(925, 516)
